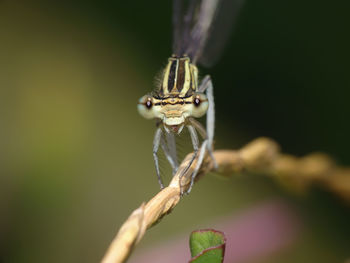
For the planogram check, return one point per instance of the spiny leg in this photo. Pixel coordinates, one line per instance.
(156, 142)
(207, 86)
(194, 137)
(199, 127)
(198, 164)
(169, 148)
(208, 134)
(195, 143)
(167, 153)
(204, 83)
(199, 153)
(170, 137)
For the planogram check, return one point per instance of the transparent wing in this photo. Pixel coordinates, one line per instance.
(177, 25)
(183, 18)
(203, 15)
(195, 20)
(220, 31)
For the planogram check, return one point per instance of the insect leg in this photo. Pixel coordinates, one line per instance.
(200, 153)
(204, 83)
(194, 137)
(169, 148)
(156, 142)
(195, 143)
(207, 86)
(199, 127)
(199, 163)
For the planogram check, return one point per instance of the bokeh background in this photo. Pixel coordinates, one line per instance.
(75, 156)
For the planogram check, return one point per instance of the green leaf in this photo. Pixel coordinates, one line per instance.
(207, 246)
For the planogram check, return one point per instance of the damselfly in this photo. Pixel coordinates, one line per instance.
(180, 97)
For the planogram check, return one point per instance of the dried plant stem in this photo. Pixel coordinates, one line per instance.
(260, 156)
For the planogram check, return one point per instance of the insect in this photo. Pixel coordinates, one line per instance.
(181, 97)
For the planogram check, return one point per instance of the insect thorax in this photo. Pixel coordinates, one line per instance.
(180, 78)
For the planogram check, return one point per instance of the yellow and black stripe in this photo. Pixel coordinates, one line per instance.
(179, 78)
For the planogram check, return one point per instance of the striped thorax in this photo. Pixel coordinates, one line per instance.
(177, 98)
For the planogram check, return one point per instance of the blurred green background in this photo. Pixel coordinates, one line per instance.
(75, 156)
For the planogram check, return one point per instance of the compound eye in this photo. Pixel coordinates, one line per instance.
(148, 103)
(197, 101)
(145, 107)
(200, 105)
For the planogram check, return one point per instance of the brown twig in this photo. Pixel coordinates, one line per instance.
(260, 156)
